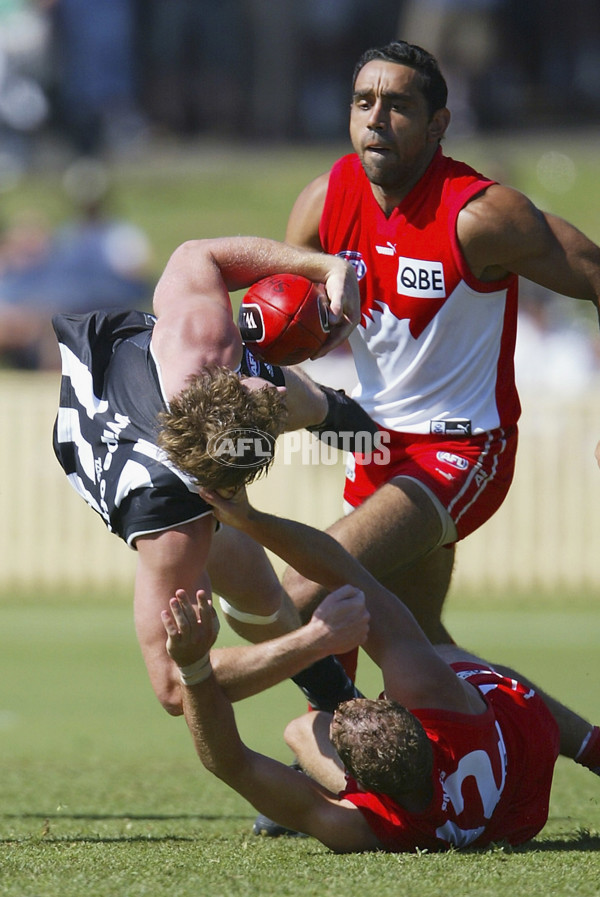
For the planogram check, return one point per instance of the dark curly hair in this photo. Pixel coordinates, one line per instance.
(383, 746)
(219, 433)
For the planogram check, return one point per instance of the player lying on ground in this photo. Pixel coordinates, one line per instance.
(122, 371)
(455, 754)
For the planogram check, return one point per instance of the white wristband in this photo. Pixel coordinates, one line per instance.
(196, 672)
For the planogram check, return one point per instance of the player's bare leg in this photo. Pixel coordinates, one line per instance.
(574, 729)
(257, 608)
(394, 535)
(579, 739)
(241, 573)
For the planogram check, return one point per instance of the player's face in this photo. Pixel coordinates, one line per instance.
(390, 125)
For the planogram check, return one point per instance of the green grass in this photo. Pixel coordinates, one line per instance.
(209, 189)
(102, 792)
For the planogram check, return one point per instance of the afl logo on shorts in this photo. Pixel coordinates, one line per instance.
(356, 260)
(453, 460)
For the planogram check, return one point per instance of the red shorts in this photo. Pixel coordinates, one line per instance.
(470, 475)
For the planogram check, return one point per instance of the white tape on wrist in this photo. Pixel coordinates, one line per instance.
(196, 672)
(242, 617)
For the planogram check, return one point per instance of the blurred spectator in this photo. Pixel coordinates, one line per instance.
(329, 39)
(463, 36)
(550, 63)
(93, 261)
(96, 73)
(195, 58)
(24, 61)
(556, 350)
(511, 63)
(253, 69)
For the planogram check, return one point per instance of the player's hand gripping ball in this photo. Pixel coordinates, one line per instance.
(284, 318)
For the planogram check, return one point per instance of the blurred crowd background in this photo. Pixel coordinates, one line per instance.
(110, 74)
(99, 81)
(106, 75)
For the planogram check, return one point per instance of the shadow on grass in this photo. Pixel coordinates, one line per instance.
(126, 817)
(47, 836)
(582, 841)
(88, 839)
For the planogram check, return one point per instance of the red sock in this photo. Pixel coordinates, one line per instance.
(589, 752)
(349, 661)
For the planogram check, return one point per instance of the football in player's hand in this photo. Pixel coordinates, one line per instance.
(284, 318)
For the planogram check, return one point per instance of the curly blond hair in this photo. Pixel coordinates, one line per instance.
(219, 433)
(382, 745)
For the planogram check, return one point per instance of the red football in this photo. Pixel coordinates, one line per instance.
(283, 318)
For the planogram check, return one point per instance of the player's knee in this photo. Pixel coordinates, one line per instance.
(305, 595)
(260, 600)
(291, 734)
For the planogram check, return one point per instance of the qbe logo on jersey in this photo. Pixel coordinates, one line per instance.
(417, 277)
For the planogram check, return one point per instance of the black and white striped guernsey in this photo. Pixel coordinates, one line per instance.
(106, 428)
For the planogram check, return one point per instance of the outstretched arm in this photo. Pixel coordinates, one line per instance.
(313, 553)
(502, 231)
(279, 792)
(324, 410)
(195, 326)
(413, 673)
(178, 557)
(340, 623)
(303, 230)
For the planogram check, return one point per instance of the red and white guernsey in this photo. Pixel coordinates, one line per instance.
(435, 345)
(491, 778)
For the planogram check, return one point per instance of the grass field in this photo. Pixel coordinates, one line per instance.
(212, 189)
(102, 793)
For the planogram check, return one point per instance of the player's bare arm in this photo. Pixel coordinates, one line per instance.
(413, 672)
(200, 268)
(195, 325)
(274, 789)
(303, 223)
(339, 624)
(305, 402)
(180, 558)
(308, 737)
(502, 231)
(303, 230)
